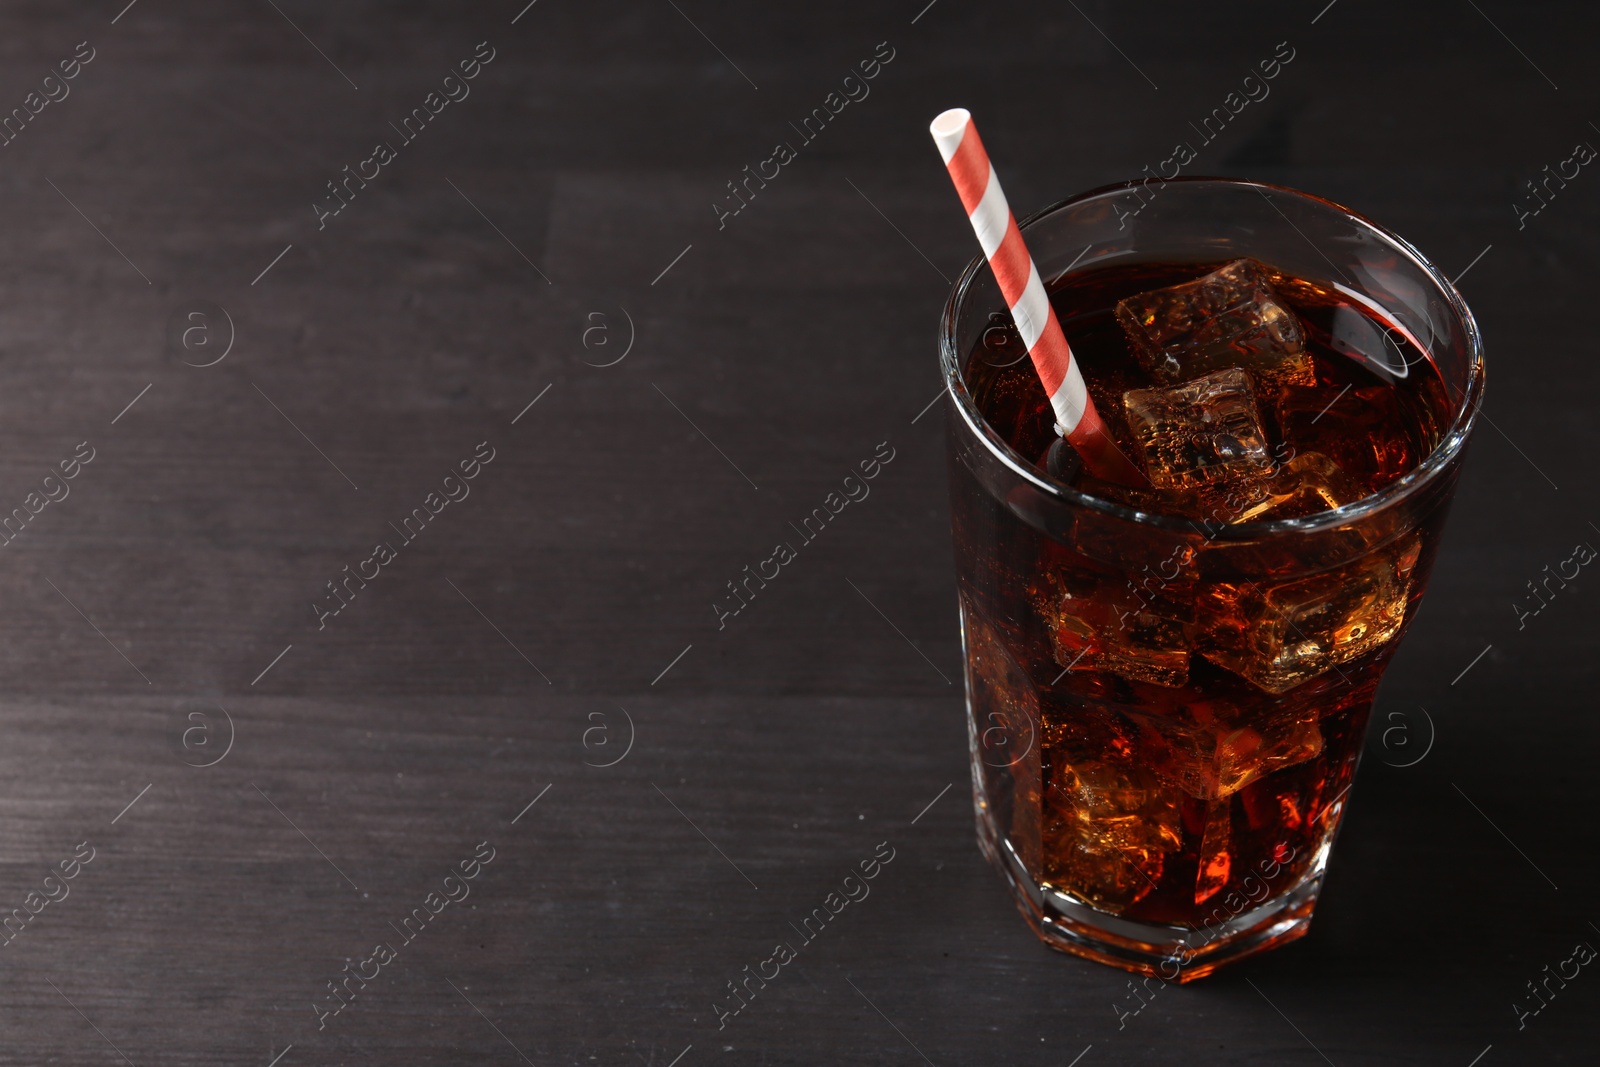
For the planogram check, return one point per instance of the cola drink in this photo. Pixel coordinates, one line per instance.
(1169, 683)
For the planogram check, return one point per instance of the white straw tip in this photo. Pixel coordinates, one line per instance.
(949, 129)
(950, 122)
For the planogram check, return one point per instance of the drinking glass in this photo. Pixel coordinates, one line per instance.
(1171, 829)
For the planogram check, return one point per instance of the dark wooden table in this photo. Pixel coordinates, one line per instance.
(538, 272)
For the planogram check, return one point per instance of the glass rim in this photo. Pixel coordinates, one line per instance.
(1425, 473)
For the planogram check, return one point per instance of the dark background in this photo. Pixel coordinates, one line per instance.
(380, 749)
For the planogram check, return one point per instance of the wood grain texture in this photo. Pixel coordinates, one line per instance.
(504, 650)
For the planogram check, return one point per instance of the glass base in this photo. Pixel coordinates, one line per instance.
(1172, 953)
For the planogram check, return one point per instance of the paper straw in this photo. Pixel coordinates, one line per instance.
(975, 180)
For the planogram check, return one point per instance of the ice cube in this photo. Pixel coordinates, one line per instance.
(1252, 752)
(1229, 318)
(1310, 482)
(1108, 828)
(1135, 629)
(1214, 749)
(1202, 433)
(1356, 428)
(1279, 636)
(1216, 851)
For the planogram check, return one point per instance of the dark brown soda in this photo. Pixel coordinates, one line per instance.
(1189, 797)
(1375, 425)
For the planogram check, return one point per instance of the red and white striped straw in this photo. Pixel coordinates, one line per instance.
(975, 180)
